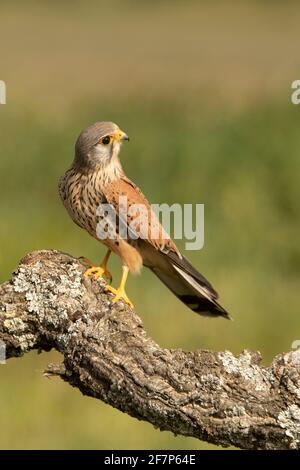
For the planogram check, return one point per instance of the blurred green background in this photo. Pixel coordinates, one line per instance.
(203, 90)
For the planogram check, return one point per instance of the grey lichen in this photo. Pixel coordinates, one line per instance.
(26, 341)
(46, 295)
(293, 357)
(289, 420)
(243, 366)
(211, 382)
(41, 293)
(70, 283)
(14, 325)
(73, 330)
(17, 329)
(236, 410)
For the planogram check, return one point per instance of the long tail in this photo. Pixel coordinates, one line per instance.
(190, 286)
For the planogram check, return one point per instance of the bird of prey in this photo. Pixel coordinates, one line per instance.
(96, 177)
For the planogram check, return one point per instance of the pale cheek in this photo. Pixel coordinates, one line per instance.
(101, 152)
(116, 149)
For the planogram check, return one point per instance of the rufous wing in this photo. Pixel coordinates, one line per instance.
(159, 252)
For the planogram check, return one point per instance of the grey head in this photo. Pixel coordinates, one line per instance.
(98, 145)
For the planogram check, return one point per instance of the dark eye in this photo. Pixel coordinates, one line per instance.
(106, 140)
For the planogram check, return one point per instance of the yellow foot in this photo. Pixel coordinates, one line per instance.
(96, 271)
(120, 294)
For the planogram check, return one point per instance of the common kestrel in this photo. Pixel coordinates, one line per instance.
(96, 178)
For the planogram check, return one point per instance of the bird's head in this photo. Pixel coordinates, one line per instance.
(99, 144)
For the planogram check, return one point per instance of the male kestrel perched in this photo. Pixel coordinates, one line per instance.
(95, 178)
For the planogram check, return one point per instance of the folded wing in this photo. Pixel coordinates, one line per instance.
(159, 252)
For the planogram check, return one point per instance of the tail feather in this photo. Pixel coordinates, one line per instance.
(191, 287)
(186, 267)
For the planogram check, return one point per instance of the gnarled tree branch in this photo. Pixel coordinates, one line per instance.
(213, 396)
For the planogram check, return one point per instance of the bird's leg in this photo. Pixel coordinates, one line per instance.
(120, 293)
(98, 271)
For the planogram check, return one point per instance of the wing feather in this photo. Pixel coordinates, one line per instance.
(141, 224)
(160, 253)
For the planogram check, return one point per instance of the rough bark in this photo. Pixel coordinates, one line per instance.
(213, 396)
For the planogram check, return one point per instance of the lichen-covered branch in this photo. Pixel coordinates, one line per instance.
(213, 396)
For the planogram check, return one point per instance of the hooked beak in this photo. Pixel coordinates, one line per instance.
(121, 136)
